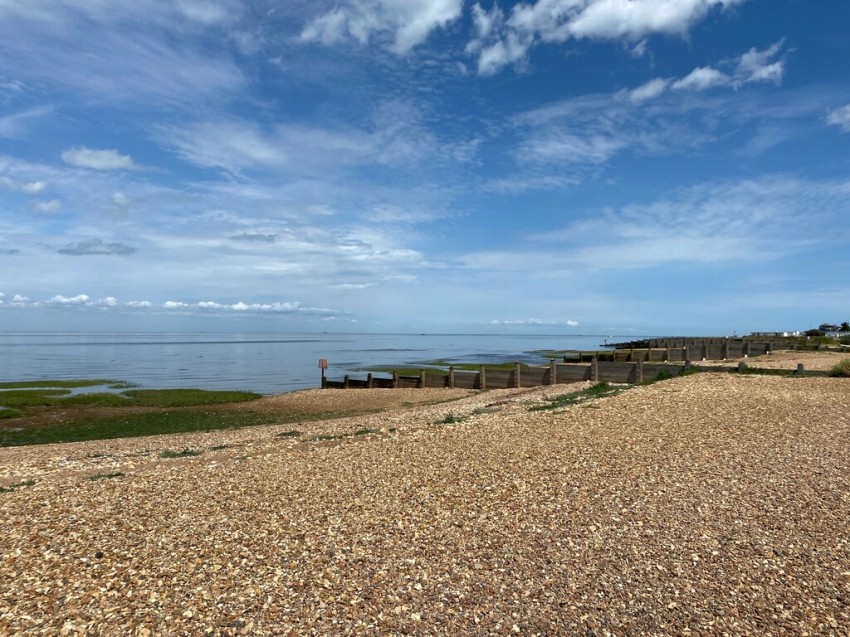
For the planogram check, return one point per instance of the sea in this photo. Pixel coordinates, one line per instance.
(262, 363)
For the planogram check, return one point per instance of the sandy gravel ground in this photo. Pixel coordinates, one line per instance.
(713, 504)
(812, 361)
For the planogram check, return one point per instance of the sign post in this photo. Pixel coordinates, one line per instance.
(323, 365)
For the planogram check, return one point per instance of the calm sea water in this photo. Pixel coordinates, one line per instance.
(265, 363)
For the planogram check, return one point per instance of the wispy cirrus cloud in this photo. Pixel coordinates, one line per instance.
(15, 125)
(709, 224)
(125, 51)
(394, 136)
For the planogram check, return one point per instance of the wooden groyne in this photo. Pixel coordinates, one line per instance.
(641, 361)
(519, 376)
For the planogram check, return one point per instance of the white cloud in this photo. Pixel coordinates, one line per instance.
(54, 205)
(840, 117)
(533, 322)
(650, 90)
(499, 41)
(80, 299)
(700, 79)
(649, 119)
(19, 301)
(33, 187)
(120, 199)
(407, 23)
(107, 159)
(758, 66)
(139, 304)
(30, 188)
(288, 307)
(753, 66)
(351, 286)
(108, 301)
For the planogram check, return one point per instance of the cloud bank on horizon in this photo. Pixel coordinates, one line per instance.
(561, 165)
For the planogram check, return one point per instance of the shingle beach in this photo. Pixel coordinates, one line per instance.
(712, 504)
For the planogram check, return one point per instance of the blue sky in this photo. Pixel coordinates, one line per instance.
(587, 166)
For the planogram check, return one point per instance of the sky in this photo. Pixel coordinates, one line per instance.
(561, 166)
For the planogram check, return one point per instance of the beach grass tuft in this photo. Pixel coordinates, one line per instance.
(185, 453)
(292, 433)
(104, 476)
(841, 369)
(599, 390)
(12, 487)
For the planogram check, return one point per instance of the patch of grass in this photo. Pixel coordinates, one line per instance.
(365, 432)
(599, 390)
(402, 371)
(292, 433)
(185, 397)
(484, 410)
(102, 399)
(660, 376)
(449, 419)
(220, 447)
(104, 476)
(47, 394)
(67, 384)
(134, 425)
(556, 353)
(12, 487)
(761, 371)
(6, 412)
(186, 453)
(841, 369)
(325, 437)
(19, 398)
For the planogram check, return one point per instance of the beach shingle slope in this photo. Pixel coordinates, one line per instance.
(712, 504)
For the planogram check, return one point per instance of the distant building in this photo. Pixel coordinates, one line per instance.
(829, 327)
(775, 334)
